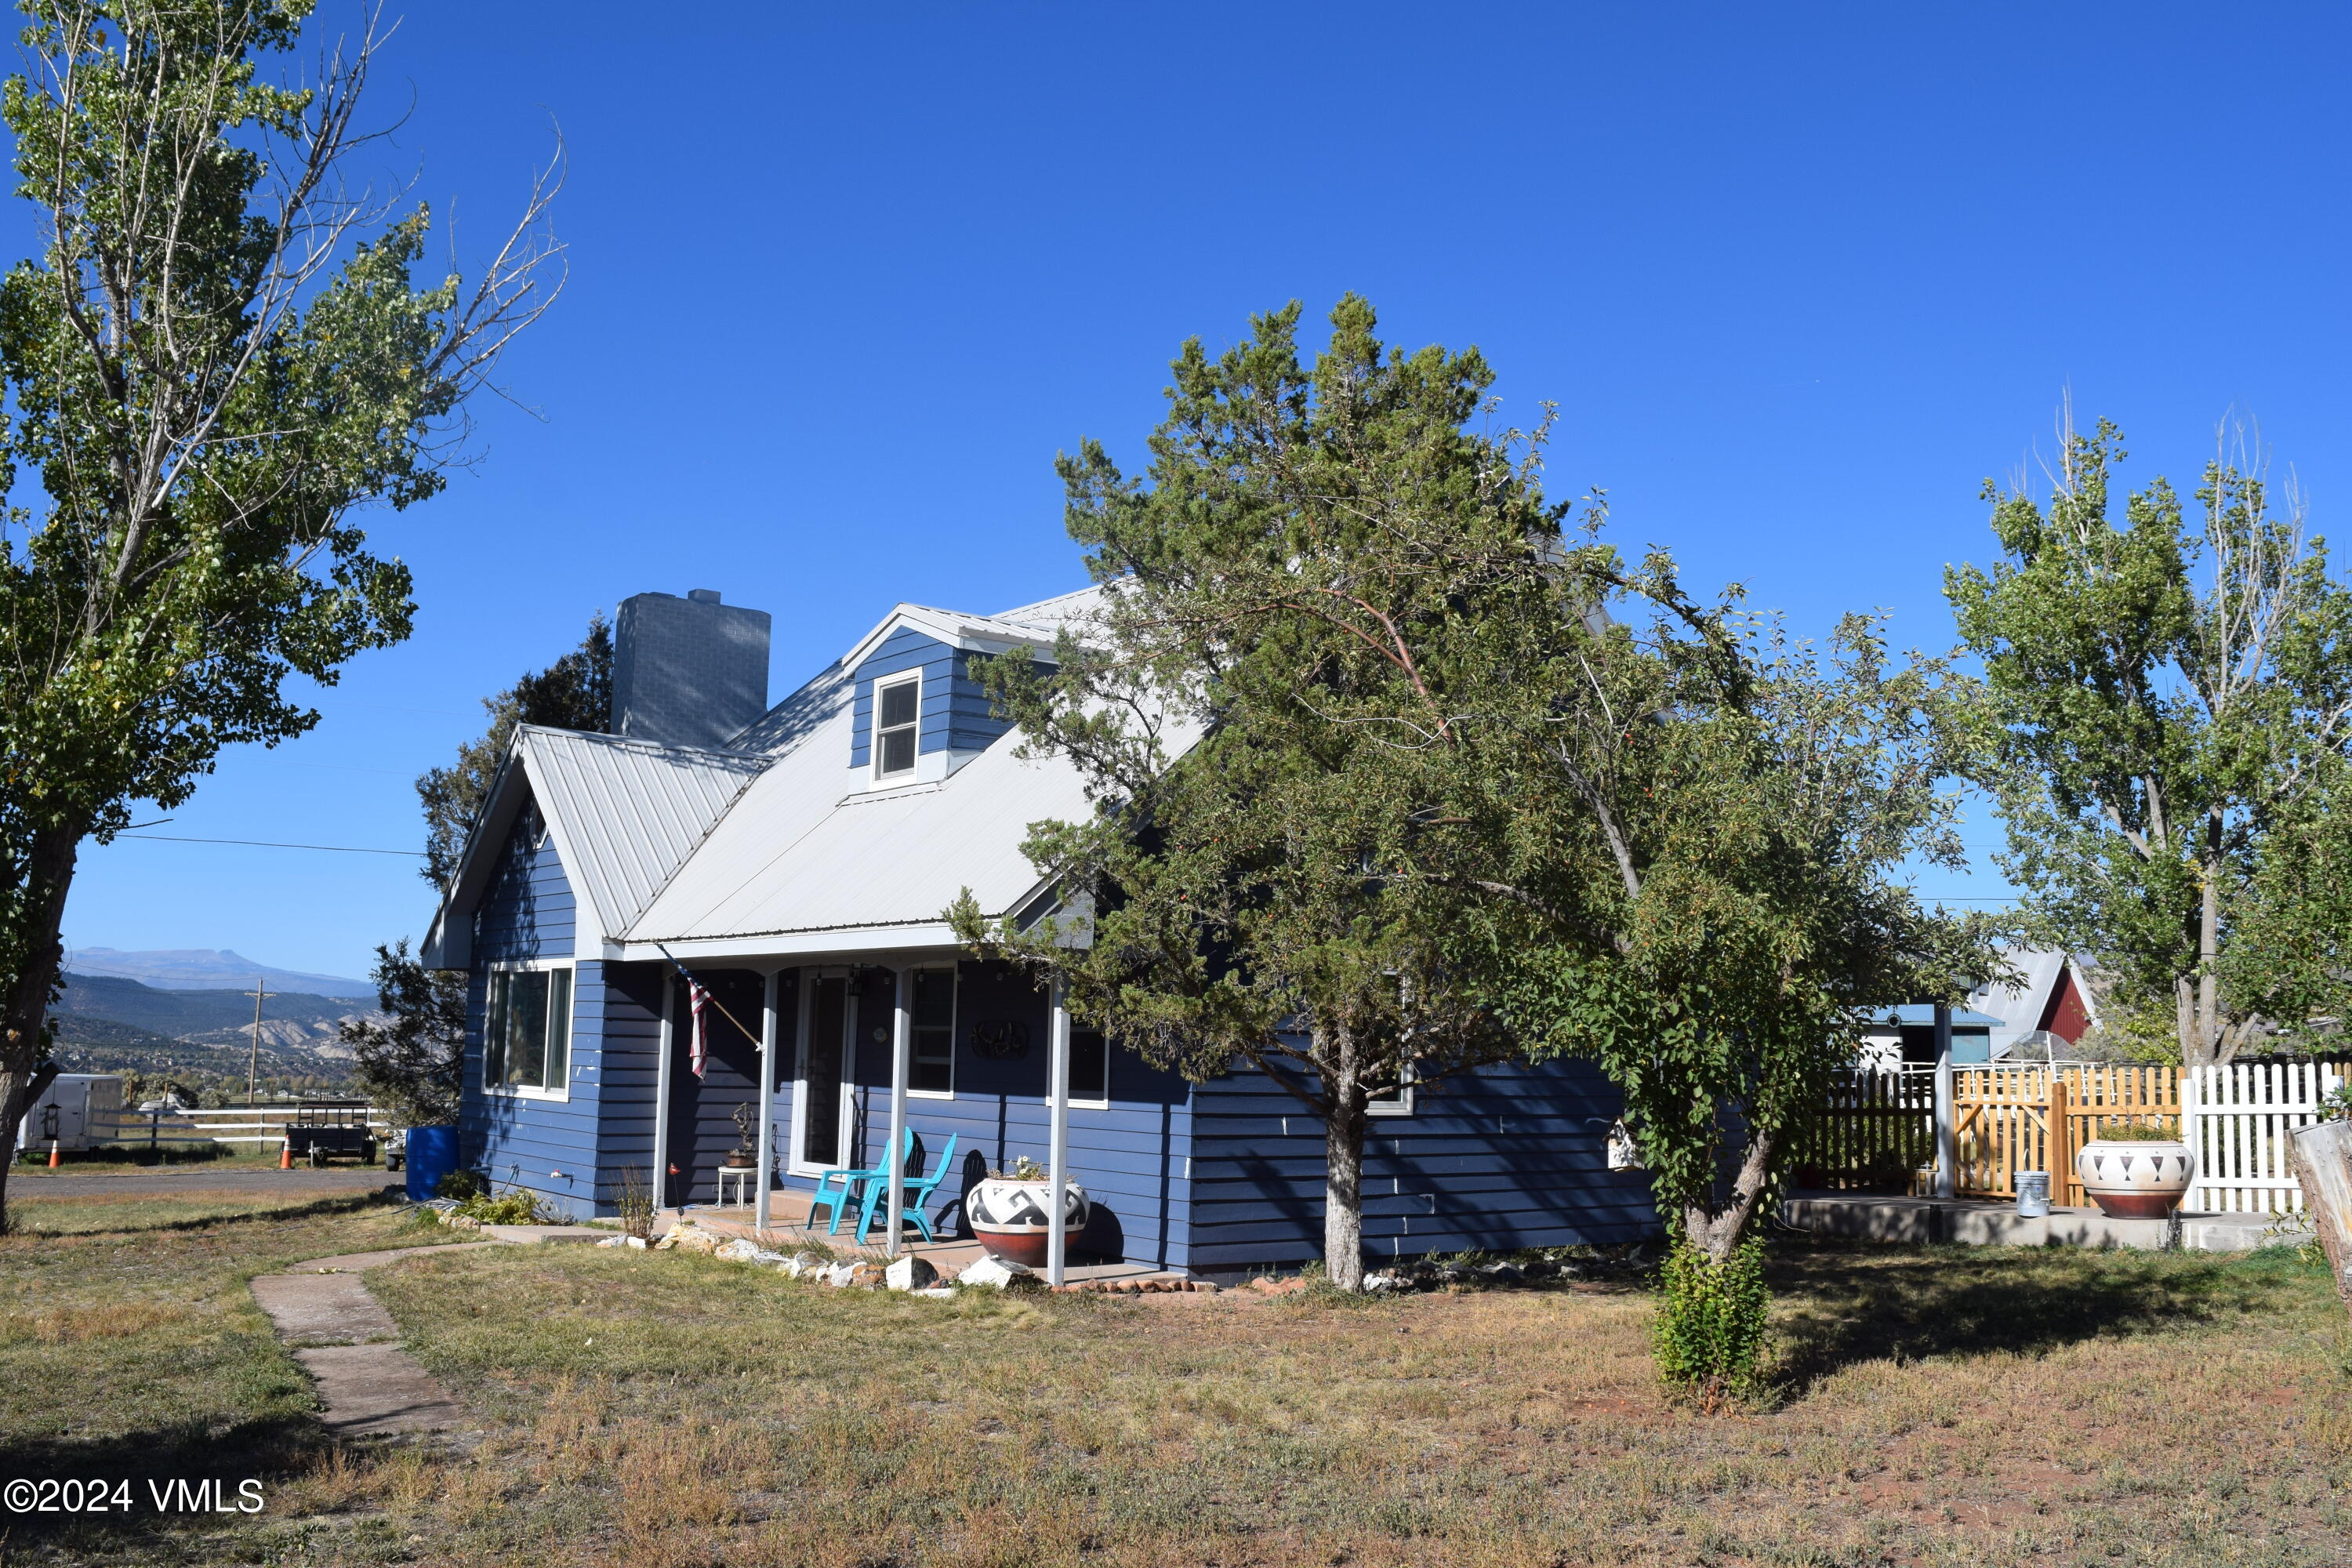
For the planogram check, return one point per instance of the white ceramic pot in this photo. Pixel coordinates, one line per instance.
(2134, 1178)
(1011, 1219)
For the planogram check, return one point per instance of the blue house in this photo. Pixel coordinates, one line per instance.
(797, 859)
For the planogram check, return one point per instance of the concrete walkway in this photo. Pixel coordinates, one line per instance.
(1984, 1223)
(348, 1342)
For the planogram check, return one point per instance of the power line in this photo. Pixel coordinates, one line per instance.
(271, 844)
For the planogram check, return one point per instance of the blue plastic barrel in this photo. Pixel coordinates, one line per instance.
(431, 1154)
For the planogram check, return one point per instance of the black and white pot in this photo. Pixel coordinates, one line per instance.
(1011, 1218)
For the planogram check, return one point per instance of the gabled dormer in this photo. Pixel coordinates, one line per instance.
(917, 713)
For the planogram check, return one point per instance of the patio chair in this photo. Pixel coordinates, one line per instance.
(839, 1202)
(917, 1192)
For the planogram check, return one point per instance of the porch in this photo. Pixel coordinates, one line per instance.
(788, 1226)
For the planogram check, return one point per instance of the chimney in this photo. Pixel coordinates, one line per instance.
(687, 672)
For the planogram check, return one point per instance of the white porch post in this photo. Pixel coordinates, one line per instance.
(1947, 1155)
(901, 1034)
(767, 1033)
(660, 1171)
(1057, 1139)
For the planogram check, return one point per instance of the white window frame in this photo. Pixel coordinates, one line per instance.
(1078, 1102)
(955, 1006)
(1403, 1104)
(874, 738)
(571, 1028)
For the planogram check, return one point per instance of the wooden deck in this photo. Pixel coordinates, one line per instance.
(788, 1222)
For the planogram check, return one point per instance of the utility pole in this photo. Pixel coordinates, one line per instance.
(253, 1061)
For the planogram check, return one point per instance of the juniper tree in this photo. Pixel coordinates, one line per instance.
(219, 356)
(1262, 710)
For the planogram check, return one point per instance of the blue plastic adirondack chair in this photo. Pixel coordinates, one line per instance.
(918, 1190)
(839, 1202)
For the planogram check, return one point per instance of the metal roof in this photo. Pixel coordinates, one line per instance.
(807, 850)
(626, 814)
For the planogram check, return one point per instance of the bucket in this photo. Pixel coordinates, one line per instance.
(2032, 1194)
(431, 1154)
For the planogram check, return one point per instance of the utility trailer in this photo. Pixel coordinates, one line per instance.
(320, 1130)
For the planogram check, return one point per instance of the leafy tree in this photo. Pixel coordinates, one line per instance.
(219, 355)
(413, 1062)
(2172, 754)
(576, 692)
(1705, 825)
(1264, 709)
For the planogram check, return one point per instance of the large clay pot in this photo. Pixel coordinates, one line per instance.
(1011, 1219)
(2136, 1178)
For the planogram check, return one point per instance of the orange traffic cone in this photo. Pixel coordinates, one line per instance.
(53, 1154)
(285, 1156)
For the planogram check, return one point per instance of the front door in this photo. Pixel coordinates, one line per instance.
(821, 1128)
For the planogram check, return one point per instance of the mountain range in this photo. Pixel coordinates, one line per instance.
(209, 969)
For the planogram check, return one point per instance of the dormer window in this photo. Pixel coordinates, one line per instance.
(897, 708)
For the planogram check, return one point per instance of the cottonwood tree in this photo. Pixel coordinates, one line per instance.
(576, 692)
(1262, 711)
(2172, 755)
(220, 354)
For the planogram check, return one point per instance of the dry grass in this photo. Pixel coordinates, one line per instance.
(1939, 1406)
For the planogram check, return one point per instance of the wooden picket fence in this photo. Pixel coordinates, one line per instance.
(1877, 1130)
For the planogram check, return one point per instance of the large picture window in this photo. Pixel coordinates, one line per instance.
(527, 1037)
(897, 711)
(930, 1067)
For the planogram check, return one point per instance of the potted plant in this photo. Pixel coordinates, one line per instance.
(2135, 1171)
(1009, 1212)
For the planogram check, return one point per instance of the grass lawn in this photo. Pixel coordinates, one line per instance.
(1938, 1405)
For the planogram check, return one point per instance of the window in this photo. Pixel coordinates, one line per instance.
(930, 1067)
(1089, 1067)
(527, 1038)
(896, 709)
(1397, 1101)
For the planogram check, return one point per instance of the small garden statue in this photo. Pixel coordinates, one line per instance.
(746, 1152)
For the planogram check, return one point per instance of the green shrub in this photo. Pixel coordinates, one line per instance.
(460, 1185)
(514, 1208)
(1708, 1337)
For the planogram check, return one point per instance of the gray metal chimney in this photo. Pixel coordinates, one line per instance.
(687, 672)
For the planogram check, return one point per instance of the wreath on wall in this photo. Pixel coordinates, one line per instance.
(1000, 1040)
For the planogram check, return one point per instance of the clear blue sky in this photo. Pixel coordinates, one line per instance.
(1800, 279)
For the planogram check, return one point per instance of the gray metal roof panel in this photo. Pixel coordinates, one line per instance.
(629, 812)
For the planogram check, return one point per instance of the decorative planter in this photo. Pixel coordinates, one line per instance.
(2136, 1178)
(1011, 1217)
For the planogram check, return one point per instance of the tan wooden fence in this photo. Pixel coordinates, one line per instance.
(1877, 1130)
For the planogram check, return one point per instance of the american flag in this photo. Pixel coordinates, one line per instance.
(696, 996)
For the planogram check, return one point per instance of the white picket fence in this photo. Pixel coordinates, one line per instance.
(2237, 1119)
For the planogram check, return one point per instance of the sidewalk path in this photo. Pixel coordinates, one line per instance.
(344, 1338)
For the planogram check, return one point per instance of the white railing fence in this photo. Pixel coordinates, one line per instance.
(2237, 1119)
(265, 1125)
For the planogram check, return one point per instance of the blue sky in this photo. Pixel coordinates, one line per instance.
(843, 282)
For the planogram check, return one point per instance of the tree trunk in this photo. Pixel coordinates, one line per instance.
(49, 874)
(2205, 1040)
(1714, 1229)
(1343, 1154)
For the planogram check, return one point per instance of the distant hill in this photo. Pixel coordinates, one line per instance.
(188, 1014)
(209, 969)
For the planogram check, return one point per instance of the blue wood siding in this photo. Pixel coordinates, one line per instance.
(956, 715)
(546, 1146)
(1130, 1156)
(1508, 1157)
(702, 1130)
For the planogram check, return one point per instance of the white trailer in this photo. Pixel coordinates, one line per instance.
(79, 1111)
